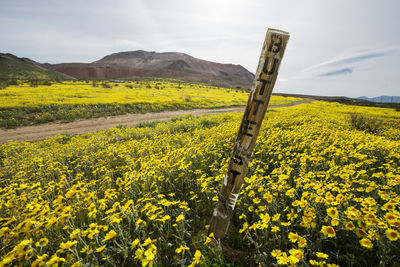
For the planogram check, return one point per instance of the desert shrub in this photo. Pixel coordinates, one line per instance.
(106, 85)
(362, 123)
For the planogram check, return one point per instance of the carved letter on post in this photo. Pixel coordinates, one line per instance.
(261, 90)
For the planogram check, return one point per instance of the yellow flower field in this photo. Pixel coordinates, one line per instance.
(24, 104)
(107, 92)
(322, 189)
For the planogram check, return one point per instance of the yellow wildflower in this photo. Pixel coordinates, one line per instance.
(321, 255)
(275, 229)
(296, 253)
(392, 235)
(110, 235)
(42, 242)
(302, 242)
(76, 264)
(55, 260)
(245, 226)
(100, 249)
(333, 213)
(181, 250)
(328, 230)
(68, 245)
(293, 237)
(134, 243)
(148, 241)
(180, 218)
(283, 259)
(75, 233)
(4, 231)
(19, 249)
(39, 260)
(196, 258)
(350, 226)
(276, 217)
(366, 243)
(276, 253)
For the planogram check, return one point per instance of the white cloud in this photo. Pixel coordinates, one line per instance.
(326, 36)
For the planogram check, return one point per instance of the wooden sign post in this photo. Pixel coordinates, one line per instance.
(261, 90)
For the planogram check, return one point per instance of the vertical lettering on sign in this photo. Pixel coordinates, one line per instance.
(264, 81)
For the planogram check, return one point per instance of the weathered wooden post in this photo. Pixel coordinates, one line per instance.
(261, 90)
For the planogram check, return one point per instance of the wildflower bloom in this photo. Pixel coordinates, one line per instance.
(140, 221)
(328, 230)
(68, 245)
(366, 243)
(76, 264)
(392, 235)
(360, 232)
(321, 255)
(42, 242)
(75, 233)
(350, 226)
(100, 249)
(19, 249)
(148, 241)
(275, 229)
(302, 242)
(208, 239)
(180, 218)
(276, 217)
(292, 215)
(297, 254)
(53, 188)
(181, 250)
(39, 260)
(196, 258)
(134, 243)
(55, 260)
(84, 249)
(149, 256)
(4, 231)
(333, 212)
(164, 219)
(110, 235)
(276, 253)
(293, 237)
(283, 259)
(139, 253)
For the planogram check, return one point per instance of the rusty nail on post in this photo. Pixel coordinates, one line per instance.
(261, 90)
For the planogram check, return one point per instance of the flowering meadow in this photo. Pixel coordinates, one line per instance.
(24, 104)
(322, 190)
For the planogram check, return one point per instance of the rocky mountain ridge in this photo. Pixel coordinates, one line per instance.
(140, 63)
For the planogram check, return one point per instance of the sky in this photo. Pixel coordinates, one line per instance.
(336, 48)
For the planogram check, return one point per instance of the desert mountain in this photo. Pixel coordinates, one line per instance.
(382, 99)
(12, 67)
(125, 65)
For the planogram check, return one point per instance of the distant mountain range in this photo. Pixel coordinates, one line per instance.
(13, 67)
(382, 99)
(125, 65)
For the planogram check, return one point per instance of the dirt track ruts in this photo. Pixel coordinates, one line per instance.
(43, 131)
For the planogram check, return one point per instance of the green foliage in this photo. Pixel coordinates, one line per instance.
(376, 125)
(12, 67)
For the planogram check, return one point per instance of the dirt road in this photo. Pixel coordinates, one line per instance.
(43, 131)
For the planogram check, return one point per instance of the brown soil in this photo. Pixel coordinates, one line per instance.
(43, 131)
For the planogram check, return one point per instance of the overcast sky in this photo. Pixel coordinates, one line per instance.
(349, 48)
